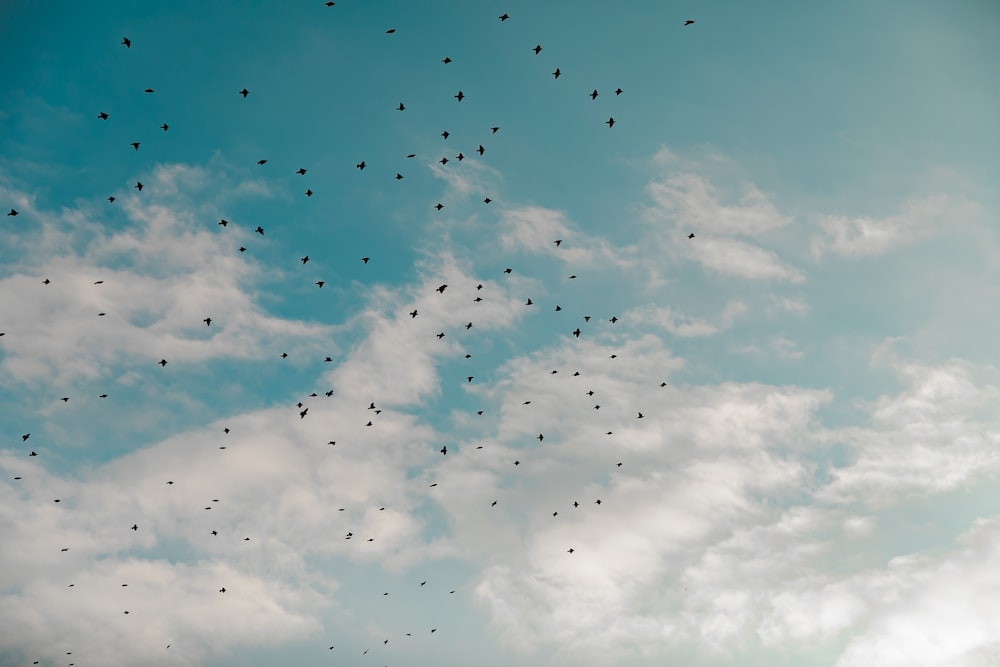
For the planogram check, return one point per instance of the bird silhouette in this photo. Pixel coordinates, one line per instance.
(537, 49)
(244, 93)
(127, 42)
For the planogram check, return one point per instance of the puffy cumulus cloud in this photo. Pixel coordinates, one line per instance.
(155, 281)
(939, 612)
(919, 219)
(934, 436)
(692, 203)
(396, 362)
(699, 462)
(535, 229)
(740, 259)
(177, 614)
(686, 326)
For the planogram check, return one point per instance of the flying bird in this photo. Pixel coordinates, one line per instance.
(138, 186)
(149, 90)
(244, 93)
(127, 42)
(164, 127)
(446, 60)
(691, 235)
(593, 95)
(610, 122)
(537, 49)
(301, 171)
(460, 96)
(504, 17)
(102, 116)
(556, 73)
(689, 22)
(135, 145)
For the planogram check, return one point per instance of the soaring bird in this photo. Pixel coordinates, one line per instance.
(162, 362)
(207, 321)
(460, 96)
(164, 127)
(13, 212)
(304, 259)
(593, 95)
(259, 230)
(102, 116)
(127, 42)
(138, 186)
(610, 122)
(135, 145)
(360, 165)
(442, 288)
(244, 93)
(537, 49)
(691, 235)
(401, 107)
(619, 91)
(446, 60)
(149, 90)
(689, 22)
(504, 17)
(301, 171)
(556, 73)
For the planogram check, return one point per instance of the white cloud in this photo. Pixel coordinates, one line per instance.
(918, 220)
(693, 204)
(740, 259)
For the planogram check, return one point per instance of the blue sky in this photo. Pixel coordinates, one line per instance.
(813, 486)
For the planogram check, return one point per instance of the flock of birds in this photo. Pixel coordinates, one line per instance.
(372, 409)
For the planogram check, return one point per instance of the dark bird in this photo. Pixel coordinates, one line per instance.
(558, 242)
(618, 91)
(399, 177)
(442, 288)
(304, 259)
(593, 95)
(259, 230)
(65, 399)
(439, 206)
(390, 31)
(164, 127)
(207, 321)
(33, 453)
(401, 107)
(365, 259)
(360, 165)
(309, 193)
(162, 362)
(460, 96)
(557, 73)
(610, 122)
(529, 302)
(329, 3)
(222, 590)
(689, 22)
(613, 319)
(111, 199)
(663, 384)
(570, 551)
(537, 49)
(508, 270)
(504, 17)
(138, 186)
(261, 161)
(691, 235)
(460, 157)
(640, 416)
(487, 200)
(127, 42)
(444, 451)
(413, 314)
(577, 332)
(446, 60)
(558, 308)
(135, 145)
(102, 116)
(320, 283)
(301, 171)
(443, 160)
(480, 150)
(223, 222)
(149, 90)
(494, 130)
(135, 526)
(446, 134)
(440, 335)
(46, 281)
(244, 93)
(540, 437)
(470, 378)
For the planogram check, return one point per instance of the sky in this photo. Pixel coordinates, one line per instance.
(714, 384)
